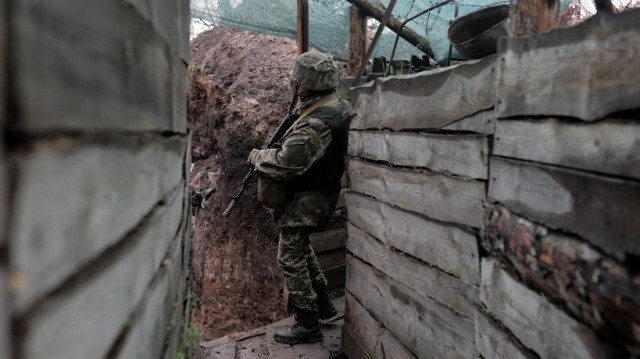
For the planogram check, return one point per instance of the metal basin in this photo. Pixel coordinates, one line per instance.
(476, 34)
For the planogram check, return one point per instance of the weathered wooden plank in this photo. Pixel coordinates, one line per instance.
(180, 93)
(494, 343)
(104, 191)
(611, 147)
(351, 347)
(120, 60)
(465, 155)
(538, 324)
(601, 209)
(437, 196)
(373, 339)
(481, 122)
(593, 287)
(426, 100)
(153, 320)
(4, 196)
(331, 259)
(108, 298)
(5, 316)
(587, 71)
(425, 327)
(168, 18)
(419, 276)
(335, 276)
(447, 247)
(328, 240)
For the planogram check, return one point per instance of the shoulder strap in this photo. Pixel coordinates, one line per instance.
(323, 101)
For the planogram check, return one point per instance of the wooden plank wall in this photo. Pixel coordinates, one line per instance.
(96, 238)
(417, 172)
(550, 270)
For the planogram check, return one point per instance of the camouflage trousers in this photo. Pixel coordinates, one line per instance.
(299, 266)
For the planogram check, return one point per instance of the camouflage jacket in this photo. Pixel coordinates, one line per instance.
(309, 161)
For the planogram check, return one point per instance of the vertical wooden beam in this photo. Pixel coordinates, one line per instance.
(303, 26)
(528, 17)
(357, 39)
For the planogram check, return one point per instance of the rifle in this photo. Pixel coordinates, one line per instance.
(291, 117)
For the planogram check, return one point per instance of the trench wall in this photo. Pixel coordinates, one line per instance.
(493, 205)
(94, 157)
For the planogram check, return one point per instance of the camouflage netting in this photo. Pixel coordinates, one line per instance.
(329, 22)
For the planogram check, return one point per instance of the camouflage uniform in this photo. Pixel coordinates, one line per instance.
(309, 161)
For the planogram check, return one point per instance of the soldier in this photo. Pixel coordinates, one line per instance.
(300, 181)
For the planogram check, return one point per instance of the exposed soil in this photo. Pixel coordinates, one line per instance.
(239, 93)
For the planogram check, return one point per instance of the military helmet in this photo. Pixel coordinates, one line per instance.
(316, 71)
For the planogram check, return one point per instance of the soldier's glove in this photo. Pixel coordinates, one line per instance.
(252, 156)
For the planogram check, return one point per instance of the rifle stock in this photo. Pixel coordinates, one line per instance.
(275, 138)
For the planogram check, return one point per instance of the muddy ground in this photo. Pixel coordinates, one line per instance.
(239, 93)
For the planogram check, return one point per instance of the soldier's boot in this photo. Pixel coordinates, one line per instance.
(305, 330)
(326, 309)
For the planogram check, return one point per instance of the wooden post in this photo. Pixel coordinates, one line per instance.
(528, 17)
(357, 39)
(303, 26)
(376, 11)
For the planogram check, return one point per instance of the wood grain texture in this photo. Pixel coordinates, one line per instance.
(601, 209)
(373, 339)
(117, 76)
(328, 240)
(465, 155)
(481, 122)
(157, 318)
(449, 248)
(357, 39)
(125, 280)
(538, 324)
(425, 327)
(586, 71)
(426, 100)
(611, 147)
(99, 192)
(437, 196)
(416, 275)
(493, 342)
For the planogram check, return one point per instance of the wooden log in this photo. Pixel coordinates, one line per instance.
(105, 190)
(449, 248)
(116, 77)
(303, 26)
(481, 122)
(369, 336)
(601, 209)
(328, 240)
(426, 100)
(437, 196)
(536, 322)
(377, 12)
(357, 40)
(593, 76)
(530, 17)
(593, 287)
(493, 342)
(79, 310)
(416, 275)
(465, 155)
(424, 326)
(611, 147)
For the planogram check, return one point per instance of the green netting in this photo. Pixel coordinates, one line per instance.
(329, 22)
